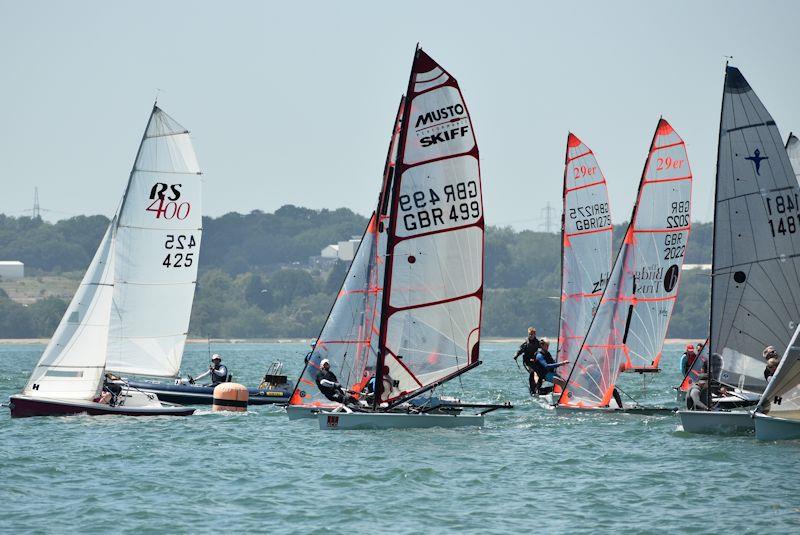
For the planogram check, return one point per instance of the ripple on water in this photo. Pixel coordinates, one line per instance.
(527, 470)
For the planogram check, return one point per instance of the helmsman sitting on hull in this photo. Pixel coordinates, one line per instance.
(328, 384)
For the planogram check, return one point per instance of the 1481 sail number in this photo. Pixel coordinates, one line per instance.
(778, 209)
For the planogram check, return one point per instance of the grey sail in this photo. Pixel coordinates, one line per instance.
(755, 292)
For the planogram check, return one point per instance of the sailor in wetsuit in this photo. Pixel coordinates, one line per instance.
(217, 371)
(528, 351)
(329, 385)
(545, 367)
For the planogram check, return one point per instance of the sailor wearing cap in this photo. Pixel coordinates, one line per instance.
(217, 370)
(328, 384)
(687, 359)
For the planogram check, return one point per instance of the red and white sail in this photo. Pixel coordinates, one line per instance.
(630, 324)
(349, 338)
(586, 234)
(434, 274)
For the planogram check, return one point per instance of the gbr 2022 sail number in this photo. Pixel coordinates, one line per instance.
(430, 208)
(674, 244)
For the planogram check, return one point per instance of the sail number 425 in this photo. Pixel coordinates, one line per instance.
(179, 242)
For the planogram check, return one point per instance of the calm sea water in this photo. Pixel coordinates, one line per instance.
(526, 470)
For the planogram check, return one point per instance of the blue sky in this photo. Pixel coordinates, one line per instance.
(293, 102)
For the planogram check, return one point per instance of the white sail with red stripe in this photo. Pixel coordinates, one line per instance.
(586, 233)
(433, 287)
(630, 324)
(349, 338)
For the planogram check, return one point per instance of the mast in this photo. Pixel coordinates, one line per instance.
(391, 192)
(710, 342)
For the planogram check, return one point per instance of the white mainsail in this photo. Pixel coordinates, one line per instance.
(72, 365)
(434, 260)
(630, 324)
(755, 289)
(586, 233)
(157, 243)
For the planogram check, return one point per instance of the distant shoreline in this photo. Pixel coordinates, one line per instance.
(203, 341)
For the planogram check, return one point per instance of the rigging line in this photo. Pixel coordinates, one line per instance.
(628, 395)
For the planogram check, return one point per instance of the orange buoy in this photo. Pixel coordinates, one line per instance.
(230, 397)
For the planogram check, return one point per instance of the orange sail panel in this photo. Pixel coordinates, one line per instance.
(630, 324)
(434, 272)
(586, 246)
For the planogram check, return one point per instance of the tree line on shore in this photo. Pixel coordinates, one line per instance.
(255, 280)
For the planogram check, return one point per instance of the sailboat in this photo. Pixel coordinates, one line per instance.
(586, 241)
(631, 321)
(415, 288)
(130, 314)
(777, 415)
(755, 284)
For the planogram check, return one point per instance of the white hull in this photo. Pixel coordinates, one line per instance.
(716, 422)
(383, 420)
(300, 412)
(773, 428)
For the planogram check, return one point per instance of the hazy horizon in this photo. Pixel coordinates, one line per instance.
(293, 103)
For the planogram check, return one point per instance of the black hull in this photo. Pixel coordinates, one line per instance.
(26, 407)
(204, 395)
